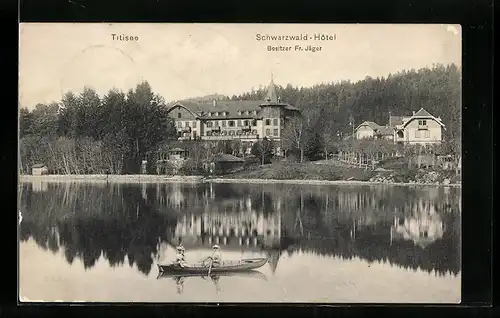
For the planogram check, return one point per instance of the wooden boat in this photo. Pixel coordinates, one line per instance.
(226, 266)
(247, 274)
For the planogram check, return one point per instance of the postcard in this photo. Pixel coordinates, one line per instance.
(282, 163)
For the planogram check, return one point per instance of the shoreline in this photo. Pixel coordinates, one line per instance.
(200, 179)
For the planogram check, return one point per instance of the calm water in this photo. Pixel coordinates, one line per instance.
(101, 242)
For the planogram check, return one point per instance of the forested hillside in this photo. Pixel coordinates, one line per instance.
(332, 107)
(87, 133)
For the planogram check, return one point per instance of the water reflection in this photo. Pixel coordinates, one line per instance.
(179, 279)
(416, 228)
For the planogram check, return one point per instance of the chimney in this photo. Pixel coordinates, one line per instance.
(215, 104)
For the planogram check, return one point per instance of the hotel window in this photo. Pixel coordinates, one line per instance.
(254, 122)
(255, 112)
(239, 112)
(223, 123)
(209, 114)
(209, 124)
(187, 124)
(179, 124)
(216, 113)
(216, 123)
(268, 122)
(240, 123)
(231, 123)
(247, 112)
(422, 122)
(275, 122)
(275, 132)
(427, 134)
(194, 124)
(268, 132)
(245, 123)
(179, 115)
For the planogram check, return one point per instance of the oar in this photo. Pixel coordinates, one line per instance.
(210, 267)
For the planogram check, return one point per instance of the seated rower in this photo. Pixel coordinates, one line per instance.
(180, 258)
(216, 257)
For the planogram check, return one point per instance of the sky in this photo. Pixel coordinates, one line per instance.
(190, 60)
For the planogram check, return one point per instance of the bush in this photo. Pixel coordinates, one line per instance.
(405, 175)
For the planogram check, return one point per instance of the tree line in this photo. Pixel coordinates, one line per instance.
(90, 134)
(85, 134)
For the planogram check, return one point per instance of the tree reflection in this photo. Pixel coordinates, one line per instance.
(119, 222)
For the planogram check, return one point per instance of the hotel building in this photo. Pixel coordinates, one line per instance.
(246, 120)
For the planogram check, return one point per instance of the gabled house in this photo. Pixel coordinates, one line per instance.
(420, 128)
(370, 129)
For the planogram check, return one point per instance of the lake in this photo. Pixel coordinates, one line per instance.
(325, 243)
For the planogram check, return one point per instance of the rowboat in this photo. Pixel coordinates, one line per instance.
(226, 266)
(247, 274)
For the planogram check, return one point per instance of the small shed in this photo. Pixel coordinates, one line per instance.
(226, 163)
(39, 169)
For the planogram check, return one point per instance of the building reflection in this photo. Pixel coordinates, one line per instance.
(40, 186)
(422, 229)
(142, 222)
(230, 230)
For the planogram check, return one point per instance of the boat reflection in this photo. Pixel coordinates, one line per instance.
(179, 279)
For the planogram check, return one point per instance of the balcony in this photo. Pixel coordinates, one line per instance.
(229, 137)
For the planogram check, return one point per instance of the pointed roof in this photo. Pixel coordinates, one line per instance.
(271, 95)
(423, 112)
(370, 124)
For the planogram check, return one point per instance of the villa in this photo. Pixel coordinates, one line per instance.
(420, 128)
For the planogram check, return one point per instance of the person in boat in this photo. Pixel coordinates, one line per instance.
(216, 257)
(180, 257)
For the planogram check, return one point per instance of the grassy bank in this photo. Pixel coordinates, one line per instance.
(310, 173)
(306, 171)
